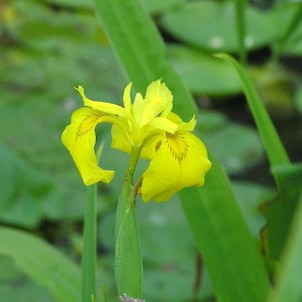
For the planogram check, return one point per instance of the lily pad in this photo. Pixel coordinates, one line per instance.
(284, 14)
(23, 190)
(251, 197)
(16, 286)
(237, 147)
(203, 73)
(211, 25)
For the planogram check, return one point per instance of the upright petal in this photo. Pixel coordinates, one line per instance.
(79, 138)
(127, 97)
(158, 101)
(180, 161)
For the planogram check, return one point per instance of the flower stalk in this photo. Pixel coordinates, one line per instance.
(89, 247)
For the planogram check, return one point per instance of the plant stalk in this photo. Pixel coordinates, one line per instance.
(89, 247)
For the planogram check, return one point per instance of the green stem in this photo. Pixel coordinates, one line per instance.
(89, 248)
(241, 29)
(134, 156)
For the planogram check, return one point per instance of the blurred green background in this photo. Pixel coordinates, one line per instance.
(50, 46)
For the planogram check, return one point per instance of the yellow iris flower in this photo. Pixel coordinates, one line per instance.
(146, 127)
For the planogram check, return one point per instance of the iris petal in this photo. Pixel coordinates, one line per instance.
(158, 101)
(103, 107)
(180, 161)
(127, 97)
(79, 138)
(119, 139)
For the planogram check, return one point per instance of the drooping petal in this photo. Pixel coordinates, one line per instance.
(102, 107)
(180, 161)
(79, 138)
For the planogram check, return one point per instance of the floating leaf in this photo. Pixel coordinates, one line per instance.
(236, 146)
(203, 73)
(44, 264)
(211, 25)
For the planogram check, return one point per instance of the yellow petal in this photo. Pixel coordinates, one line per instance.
(180, 161)
(79, 138)
(119, 139)
(189, 126)
(127, 97)
(103, 107)
(158, 101)
(164, 124)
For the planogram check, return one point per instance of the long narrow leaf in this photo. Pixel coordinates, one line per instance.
(288, 287)
(271, 141)
(227, 247)
(43, 263)
(280, 212)
(142, 53)
(128, 258)
(141, 50)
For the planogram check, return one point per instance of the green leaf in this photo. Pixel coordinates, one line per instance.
(158, 6)
(224, 240)
(280, 212)
(289, 37)
(251, 197)
(139, 50)
(128, 258)
(16, 286)
(288, 281)
(210, 25)
(43, 263)
(271, 141)
(203, 73)
(23, 188)
(242, 147)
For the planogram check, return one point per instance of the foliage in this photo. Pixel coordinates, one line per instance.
(245, 233)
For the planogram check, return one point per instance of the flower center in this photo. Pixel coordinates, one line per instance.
(177, 145)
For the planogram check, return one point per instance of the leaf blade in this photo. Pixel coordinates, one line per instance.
(44, 264)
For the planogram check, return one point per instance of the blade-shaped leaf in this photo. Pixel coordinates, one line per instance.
(141, 49)
(142, 53)
(128, 259)
(288, 285)
(271, 141)
(43, 263)
(280, 212)
(221, 234)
